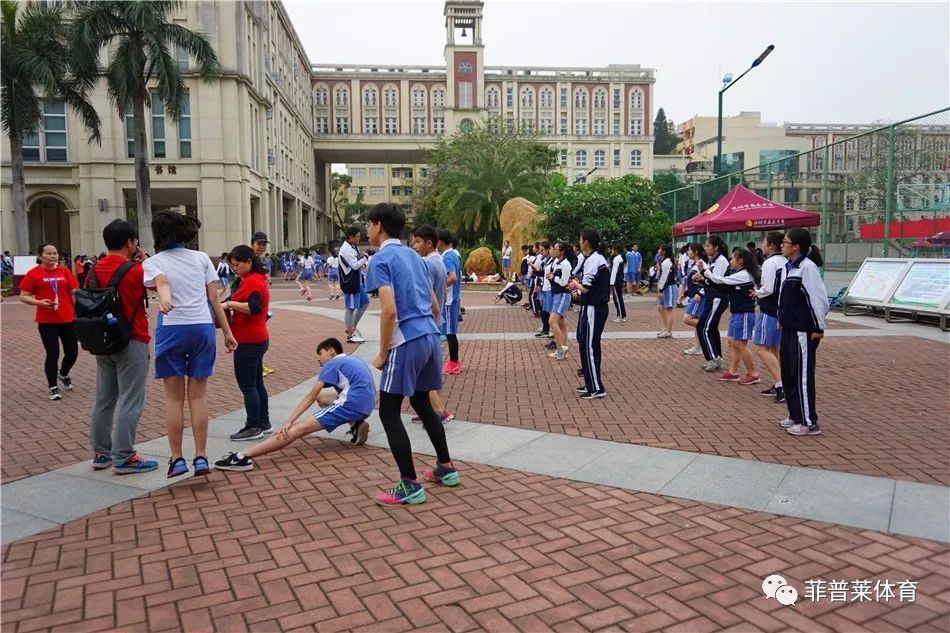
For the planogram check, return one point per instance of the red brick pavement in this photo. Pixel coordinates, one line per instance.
(39, 435)
(882, 413)
(299, 546)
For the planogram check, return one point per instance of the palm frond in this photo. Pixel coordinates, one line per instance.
(197, 45)
(171, 86)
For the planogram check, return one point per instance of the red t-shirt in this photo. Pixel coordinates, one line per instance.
(131, 293)
(40, 282)
(251, 328)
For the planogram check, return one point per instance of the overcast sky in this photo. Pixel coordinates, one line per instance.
(834, 62)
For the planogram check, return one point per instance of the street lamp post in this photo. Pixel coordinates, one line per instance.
(728, 82)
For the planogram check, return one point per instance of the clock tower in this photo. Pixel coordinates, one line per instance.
(464, 63)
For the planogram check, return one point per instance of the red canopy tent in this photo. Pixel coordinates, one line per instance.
(743, 210)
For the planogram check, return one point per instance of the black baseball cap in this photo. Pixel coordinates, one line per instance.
(260, 237)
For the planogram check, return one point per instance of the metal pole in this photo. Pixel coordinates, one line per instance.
(674, 206)
(769, 190)
(825, 195)
(889, 202)
(717, 167)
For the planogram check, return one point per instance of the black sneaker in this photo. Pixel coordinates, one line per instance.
(540, 334)
(268, 429)
(358, 433)
(247, 433)
(593, 396)
(580, 373)
(54, 393)
(550, 345)
(769, 393)
(581, 389)
(66, 381)
(232, 462)
(780, 395)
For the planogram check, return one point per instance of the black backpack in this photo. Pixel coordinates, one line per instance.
(101, 327)
(349, 277)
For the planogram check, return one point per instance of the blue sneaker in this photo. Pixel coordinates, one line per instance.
(443, 475)
(201, 466)
(101, 462)
(177, 467)
(134, 464)
(404, 492)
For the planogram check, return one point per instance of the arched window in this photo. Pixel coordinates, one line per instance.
(600, 158)
(418, 97)
(600, 98)
(438, 97)
(547, 97)
(636, 158)
(369, 97)
(341, 96)
(636, 99)
(320, 95)
(527, 97)
(390, 97)
(493, 97)
(580, 158)
(580, 98)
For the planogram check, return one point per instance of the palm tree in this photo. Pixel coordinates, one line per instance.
(473, 194)
(33, 56)
(139, 33)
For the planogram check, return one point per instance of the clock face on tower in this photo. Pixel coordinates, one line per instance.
(465, 67)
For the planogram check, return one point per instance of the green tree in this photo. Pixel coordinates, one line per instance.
(34, 67)
(473, 173)
(665, 137)
(139, 36)
(340, 200)
(617, 208)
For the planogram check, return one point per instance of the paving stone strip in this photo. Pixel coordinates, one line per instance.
(38, 503)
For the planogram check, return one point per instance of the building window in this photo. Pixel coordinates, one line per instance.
(527, 121)
(788, 167)
(636, 99)
(369, 97)
(616, 124)
(438, 98)
(600, 158)
(377, 172)
(320, 96)
(616, 98)
(849, 204)
(527, 98)
(791, 195)
(580, 99)
(510, 97)
(547, 98)
(389, 97)
(580, 125)
(600, 127)
(370, 125)
(492, 98)
(580, 158)
(564, 98)
(636, 127)
(547, 125)
(181, 58)
(389, 125)
(158, 126)
(129, 132)
(358, 191)
(342, 96)
(31, 146)
(419, 98)
(438, 125)
(419, 125)
(342, 125)
(54, 130)
(863, 204)
(564, 124)
(563, 158)
(465, 95)
(184, 128)
(616, 158)
(358, 172)
(600, 99)
(322, 125)
(635, 158)
(377, 192)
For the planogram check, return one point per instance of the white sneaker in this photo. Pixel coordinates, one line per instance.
(665, 335)
(356, 338)
(787, 423)
(692, 351)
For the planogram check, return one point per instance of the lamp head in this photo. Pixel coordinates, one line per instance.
(726, 79)
(765, 53)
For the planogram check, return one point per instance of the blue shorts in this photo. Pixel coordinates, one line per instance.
(185, 350)
(306, 274)
(506, 262)
(415, 365)
(632, 276)
(695, 307)
(338, 414)
(450, 319)
(668, 298)
(333, 274)
(356, 300)
(560, 303)
(741, 325)
(766, 331)
(545, 301)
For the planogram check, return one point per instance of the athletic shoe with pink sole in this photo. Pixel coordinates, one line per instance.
(750, 379)
(728, 377)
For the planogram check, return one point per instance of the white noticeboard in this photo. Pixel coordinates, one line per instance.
(926, 285)
(876, 280)
(22, 264)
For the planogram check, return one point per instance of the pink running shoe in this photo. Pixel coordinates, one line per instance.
(750, 379)
(727, 377)
(452, 368)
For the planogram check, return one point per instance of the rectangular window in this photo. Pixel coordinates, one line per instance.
(636, 127)
(600, 127)
(184, 129)
(616, 158)
(616, 127)
(370, 125)
(181, 57)
(358, 190)
(377, 172)
(419, 125)
(564, 98)
(580, 126)
(791, 195)
(377, 191)
(322, 126)
(465, 95)
(600, 159)
(564, 124)
(510, 97)
(389, 125)
(31, 146)
(54, 130)
(547, 125)
(342, 125)
(616, 98)
(438, 125)
(158, 126)
(787, 167)
(563, 158)
(358, 172)
(129, 132)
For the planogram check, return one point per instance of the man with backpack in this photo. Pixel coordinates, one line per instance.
(119, 339)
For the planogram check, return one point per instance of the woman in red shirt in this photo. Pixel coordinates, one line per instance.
(248, 307)
(50, 287)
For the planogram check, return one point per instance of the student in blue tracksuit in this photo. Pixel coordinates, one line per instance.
(767, 336)
(453, 300)
(716, 303)
(740, 285)
(694, 293)
(410, 356)
(632, 271)
(593, 289)
(802, 308)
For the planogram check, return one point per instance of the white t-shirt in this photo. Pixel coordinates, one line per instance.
(506, 252)
(189, 273)
(308, 263)
(333, 262)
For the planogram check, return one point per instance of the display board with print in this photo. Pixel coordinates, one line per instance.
(876, 280)
(926, 285)
(22, 264)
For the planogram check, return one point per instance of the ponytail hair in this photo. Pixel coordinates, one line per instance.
(802, 238)
(750, 263)
(718, 242)
(697, 248)
(244, 253)
(775, 239)
(667, 251)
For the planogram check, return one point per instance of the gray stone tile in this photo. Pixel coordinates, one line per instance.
(152, 480)
(921, 510)
(636, 467)
(727, 481)
(60, 498)
(486, 442)
(16, 525)
(552, 454)
(843, 498)
(158, 446)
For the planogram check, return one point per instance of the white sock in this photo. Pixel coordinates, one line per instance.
(778, 385)
(240, 455)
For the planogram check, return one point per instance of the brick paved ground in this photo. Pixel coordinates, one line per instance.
(300, 546)
(39, 435)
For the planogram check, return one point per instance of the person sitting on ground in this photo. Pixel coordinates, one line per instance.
(349, 400)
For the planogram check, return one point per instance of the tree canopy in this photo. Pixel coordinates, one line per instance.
(665, 137)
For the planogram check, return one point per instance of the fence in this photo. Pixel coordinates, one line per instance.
(878, 189)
